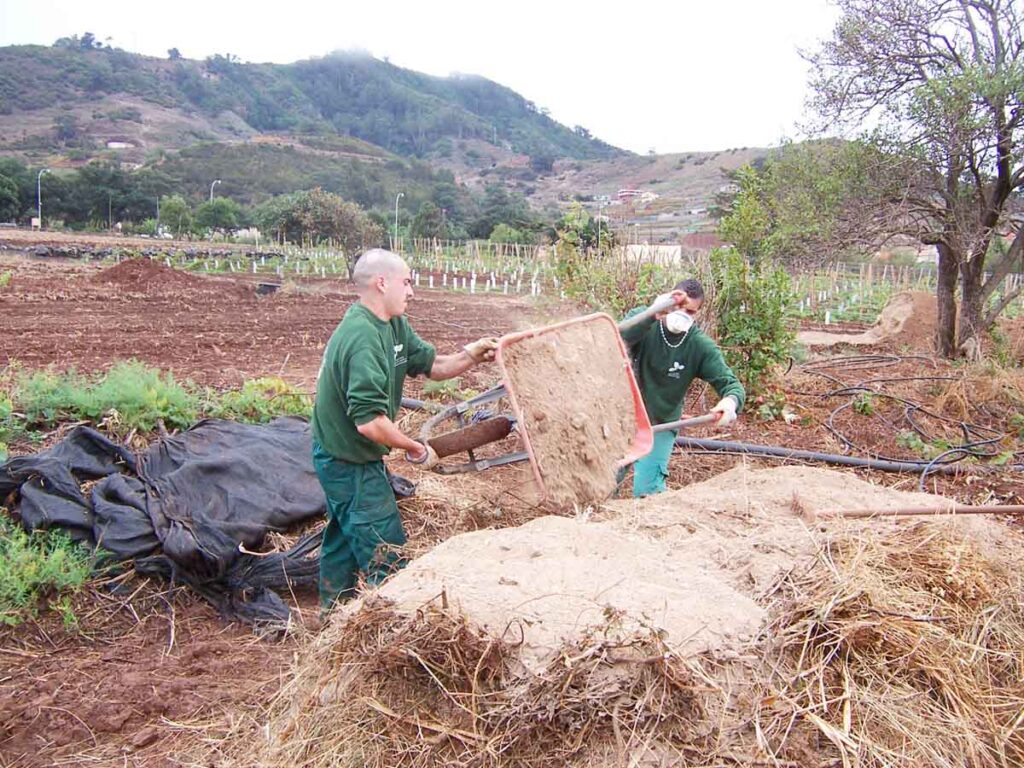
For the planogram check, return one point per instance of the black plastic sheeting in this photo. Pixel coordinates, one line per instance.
(182, 508)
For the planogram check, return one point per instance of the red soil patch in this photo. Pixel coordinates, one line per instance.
(138, 273)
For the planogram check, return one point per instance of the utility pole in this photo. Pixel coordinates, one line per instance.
(215, 183)
(157, 232)
(39, 195)
(398, 197)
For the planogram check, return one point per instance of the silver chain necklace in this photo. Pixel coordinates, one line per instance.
(669, 344)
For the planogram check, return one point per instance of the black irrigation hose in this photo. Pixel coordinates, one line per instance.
(976, 438)
(704, 445)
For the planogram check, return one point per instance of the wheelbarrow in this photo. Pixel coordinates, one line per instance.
(477, 426)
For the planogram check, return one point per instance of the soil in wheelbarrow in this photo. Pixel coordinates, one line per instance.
(573, 392)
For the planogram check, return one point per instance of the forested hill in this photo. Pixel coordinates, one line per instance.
(221, 98)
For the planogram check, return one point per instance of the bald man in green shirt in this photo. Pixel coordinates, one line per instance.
(358, 394)
(668, 353)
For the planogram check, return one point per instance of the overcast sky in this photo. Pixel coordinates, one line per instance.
(669, 76)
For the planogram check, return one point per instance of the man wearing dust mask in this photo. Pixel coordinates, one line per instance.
(668, 353)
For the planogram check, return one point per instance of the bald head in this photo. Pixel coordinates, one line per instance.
(384, 283)
(375, 263)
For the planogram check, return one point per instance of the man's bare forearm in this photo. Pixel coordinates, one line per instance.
(449, 366)
(384, 431)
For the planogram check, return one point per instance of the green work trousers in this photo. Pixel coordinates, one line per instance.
(364, 529)
(651, 471)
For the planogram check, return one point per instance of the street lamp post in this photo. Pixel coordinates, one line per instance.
(39, 195)
(598, 223)
(398, 197)
(215, 183)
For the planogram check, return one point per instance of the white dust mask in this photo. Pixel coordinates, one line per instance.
(678, 322)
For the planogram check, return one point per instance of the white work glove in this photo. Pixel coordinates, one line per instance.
(727, 408)
(482, 350)
(425, 459)
(679, 296)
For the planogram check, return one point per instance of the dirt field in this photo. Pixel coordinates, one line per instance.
(213, 330)
(161, 671)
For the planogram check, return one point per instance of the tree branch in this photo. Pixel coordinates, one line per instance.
(1003, 268)
(1002, 304)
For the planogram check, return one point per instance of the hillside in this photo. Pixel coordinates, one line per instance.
(77, 98)
(349, 123)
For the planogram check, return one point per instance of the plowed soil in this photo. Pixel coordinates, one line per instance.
(213, 330)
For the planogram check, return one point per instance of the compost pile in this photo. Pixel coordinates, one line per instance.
(137, 274)
(723, 629)
(909, 319)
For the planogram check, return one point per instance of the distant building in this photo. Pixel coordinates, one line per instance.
(625, 195)
(120, 145)
(701, 241)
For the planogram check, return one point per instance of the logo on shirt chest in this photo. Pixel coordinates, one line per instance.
(675, 371)
(400, 359)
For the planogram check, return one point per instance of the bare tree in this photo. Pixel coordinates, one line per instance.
(941, 82)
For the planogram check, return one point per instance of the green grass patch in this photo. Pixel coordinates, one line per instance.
(38, 567)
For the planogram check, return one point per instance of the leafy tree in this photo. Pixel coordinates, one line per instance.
(317, 216)
(943, 82)
(500, 206)
(751, 291)
(542, 163)
(221, 213)
(10, 202)
(175, 215)
(173, 54)
(66, 128)
(581, 230)
(429, 223)
(503, 233)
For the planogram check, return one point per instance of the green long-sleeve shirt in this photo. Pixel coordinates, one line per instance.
(361, 376)
(664, 371)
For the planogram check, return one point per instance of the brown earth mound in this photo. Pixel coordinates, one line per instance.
(144, 273)
(710, 626)
(907, 320)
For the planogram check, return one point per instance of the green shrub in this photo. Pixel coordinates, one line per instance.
(606, 283)
(36, 566)
(5, 279)
(441, 390)
(132, 396)
(8, 428)
(750, 299)
(864, 404)
(129, 396)
(261, 400)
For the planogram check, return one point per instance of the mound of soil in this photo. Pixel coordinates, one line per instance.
(145, 273)
(571, 387)
(555, 577)
(747, 595)
(692, 562)
(909, 319)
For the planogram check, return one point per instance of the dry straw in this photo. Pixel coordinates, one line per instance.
(429, 689)
(904, 649)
